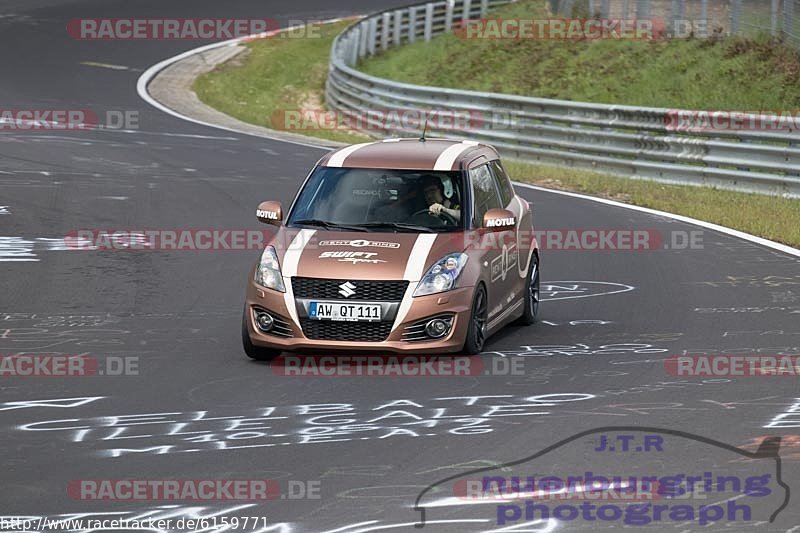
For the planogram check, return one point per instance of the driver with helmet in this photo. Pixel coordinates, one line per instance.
(433, 188)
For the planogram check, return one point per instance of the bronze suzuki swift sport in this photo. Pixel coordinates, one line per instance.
(403, 245)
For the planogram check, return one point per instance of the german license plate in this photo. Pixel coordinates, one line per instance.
(344, 312)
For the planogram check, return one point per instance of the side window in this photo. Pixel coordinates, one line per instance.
(503, 182)
(484, 191)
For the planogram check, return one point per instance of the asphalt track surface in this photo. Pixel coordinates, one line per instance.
(179, 313)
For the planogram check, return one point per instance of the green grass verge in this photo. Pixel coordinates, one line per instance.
(743, 73)
(280, 74)
(276, 75)
(773, 218)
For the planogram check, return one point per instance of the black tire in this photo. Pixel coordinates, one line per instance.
(531, 298)
(476, 333)
(255, 352)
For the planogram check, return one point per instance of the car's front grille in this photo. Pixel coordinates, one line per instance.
(330, 330)
(368, 290)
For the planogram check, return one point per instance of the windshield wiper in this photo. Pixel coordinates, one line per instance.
(328, 225)
(398, 226)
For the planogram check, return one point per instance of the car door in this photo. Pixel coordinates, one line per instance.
(498, 248)
(522, 250)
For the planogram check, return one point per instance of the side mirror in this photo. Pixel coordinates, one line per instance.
(499, 220)
(270, 213)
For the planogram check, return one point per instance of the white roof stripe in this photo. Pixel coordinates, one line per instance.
(449, 156)
(337, 159)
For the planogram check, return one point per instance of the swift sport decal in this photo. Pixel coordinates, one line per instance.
(352, 257)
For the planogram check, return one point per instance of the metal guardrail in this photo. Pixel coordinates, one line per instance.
(631, 141)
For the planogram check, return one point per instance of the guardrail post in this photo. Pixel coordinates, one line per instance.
(484, 7)
(773, 18)
(642, 9)
(448, 16)
(398, 21)
(372, 35)
(678, 14)
(412, 24)
(362, 40)
(428, 21)
(465, 14)
(704, 18)
(349, 49)
(736, 15)
(387, 17)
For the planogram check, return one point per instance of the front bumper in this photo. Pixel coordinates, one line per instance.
(292, 337)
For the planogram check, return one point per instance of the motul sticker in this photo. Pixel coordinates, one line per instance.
(270, 215)
(500, 222)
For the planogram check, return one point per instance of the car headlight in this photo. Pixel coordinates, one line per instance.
(442, 276)
(268, 273)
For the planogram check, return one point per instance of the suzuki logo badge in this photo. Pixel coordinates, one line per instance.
(347, 289)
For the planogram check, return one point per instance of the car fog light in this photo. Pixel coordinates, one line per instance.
(436, 328)
(264, 321)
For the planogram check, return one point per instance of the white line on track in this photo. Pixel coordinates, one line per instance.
(708, 225)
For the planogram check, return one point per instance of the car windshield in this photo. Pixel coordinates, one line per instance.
(380, 200)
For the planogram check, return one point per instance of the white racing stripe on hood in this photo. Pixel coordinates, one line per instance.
(418, 256)
(289, 268)
(448, 157)
(337, 159)
(414, 272)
